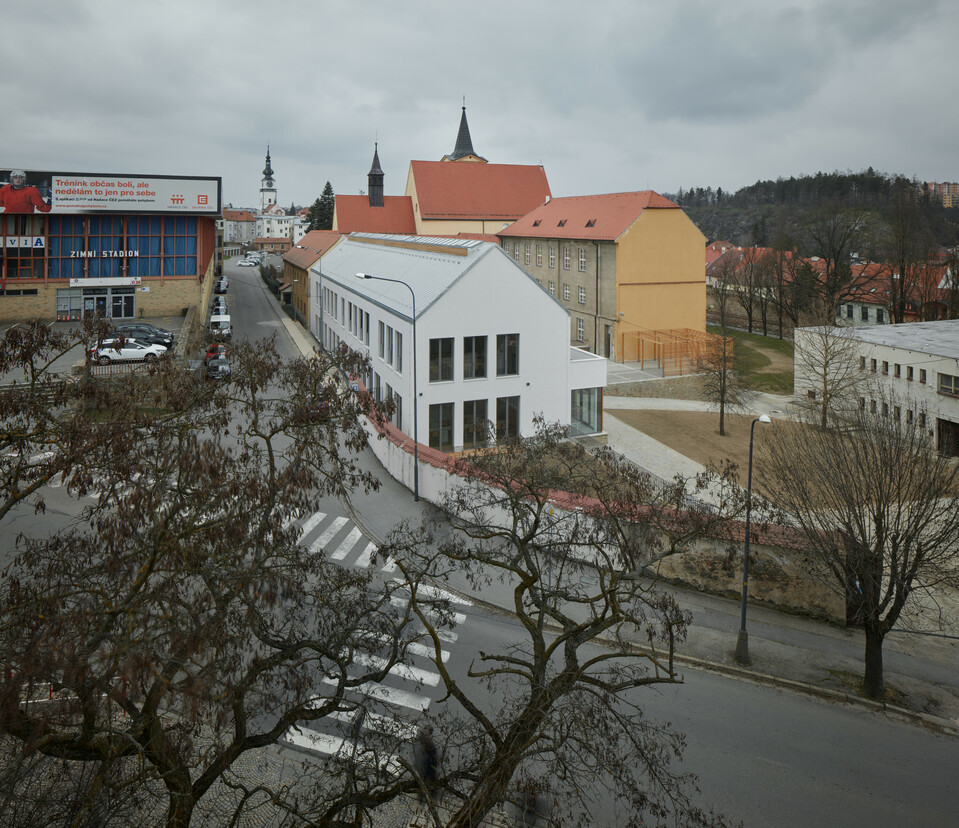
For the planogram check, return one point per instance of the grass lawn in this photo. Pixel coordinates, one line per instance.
(765, 362)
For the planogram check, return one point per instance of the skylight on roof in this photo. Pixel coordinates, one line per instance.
(591, 223)
(537, 222)
(562, 223)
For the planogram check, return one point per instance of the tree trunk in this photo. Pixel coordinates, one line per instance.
(872, 681)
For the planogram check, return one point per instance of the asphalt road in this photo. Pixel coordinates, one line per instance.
(763, 756)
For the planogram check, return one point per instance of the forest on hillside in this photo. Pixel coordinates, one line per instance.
(774, 213)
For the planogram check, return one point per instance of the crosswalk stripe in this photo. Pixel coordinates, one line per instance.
(331, 530)
(443, 595)
(313, 740)
(418, 649)
(378, 722)
(344, 548)
(390, 565)
(458, 617)
(364, 559)
(404, 671)
(391, 695)
(310, 524)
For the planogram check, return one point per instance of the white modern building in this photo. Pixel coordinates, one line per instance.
(492, 346)
(913, 368)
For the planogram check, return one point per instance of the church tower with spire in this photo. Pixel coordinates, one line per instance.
(375, 180)
(267, 185)
(463, 151)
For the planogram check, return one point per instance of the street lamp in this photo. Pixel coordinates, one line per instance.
(742, 640)
(416, 439)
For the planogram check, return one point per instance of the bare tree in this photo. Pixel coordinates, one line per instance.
(554, 705)
(832, 235)
(830, 370)
(877, 505)
(181, 625)
(907, 252)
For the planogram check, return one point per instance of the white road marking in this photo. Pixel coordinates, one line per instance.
(390, 565)
(310, 524)
(344, 548)
(364, 559)
(458, 617)
(403, 671)
(324, 539)
(390, 695)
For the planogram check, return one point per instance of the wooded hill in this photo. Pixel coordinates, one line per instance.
(771, 212)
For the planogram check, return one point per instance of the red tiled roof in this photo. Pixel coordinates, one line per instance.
(354, 215)
(238, 215)
(313, 245)
(604, 217)
(469, 190)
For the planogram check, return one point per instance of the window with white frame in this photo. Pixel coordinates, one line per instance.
(566, 292)
(582, 295)
(526, 253)
(552, 256)
(566, 257)
(552, 288)
(539, 255)
(582, 260)
(580, 332)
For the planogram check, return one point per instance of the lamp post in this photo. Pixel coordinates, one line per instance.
(742, 640)
(416, 439)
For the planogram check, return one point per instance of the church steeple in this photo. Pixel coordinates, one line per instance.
(267, 185)
(464, 144)
(268, 170)
(375, 179)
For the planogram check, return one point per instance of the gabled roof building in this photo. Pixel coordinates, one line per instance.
(629, 268)
(485, 366)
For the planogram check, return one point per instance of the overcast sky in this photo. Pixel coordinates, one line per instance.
(607, 96)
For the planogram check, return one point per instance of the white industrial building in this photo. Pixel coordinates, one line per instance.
(492, 346)
(914, 364)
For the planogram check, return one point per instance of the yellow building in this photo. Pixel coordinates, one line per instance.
(629, 266)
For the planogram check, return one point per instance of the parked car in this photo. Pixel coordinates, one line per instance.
(221, 286)
(219, 326)
(125, 350)
(146, 333)
(249, 263)
(216, 350)
(219, 305)
(217, 369)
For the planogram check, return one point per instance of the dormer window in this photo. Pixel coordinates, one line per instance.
(537, 222)
(591, 223)
(561, 223)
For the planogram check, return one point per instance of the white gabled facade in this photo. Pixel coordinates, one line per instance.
(491, 343)
(913, 367)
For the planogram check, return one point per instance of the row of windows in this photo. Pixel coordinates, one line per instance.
(864, 314)
(896, 411)
(101, 246)
(474, 357)
(948, 384)
(527, 251)
(567, 291)
(897, 369)
(477, 430)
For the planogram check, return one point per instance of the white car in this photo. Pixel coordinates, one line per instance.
(112, 350)
(248, 263)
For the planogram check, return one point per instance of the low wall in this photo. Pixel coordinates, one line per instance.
(781, 575)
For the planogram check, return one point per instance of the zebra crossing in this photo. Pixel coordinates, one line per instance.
(385, 707)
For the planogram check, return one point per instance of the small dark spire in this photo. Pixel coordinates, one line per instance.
(464, 144)
(268, 171)
(375, 179)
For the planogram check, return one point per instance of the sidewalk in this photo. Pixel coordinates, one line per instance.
(788, 651)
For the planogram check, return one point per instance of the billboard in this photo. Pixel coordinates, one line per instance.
(32, 191)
